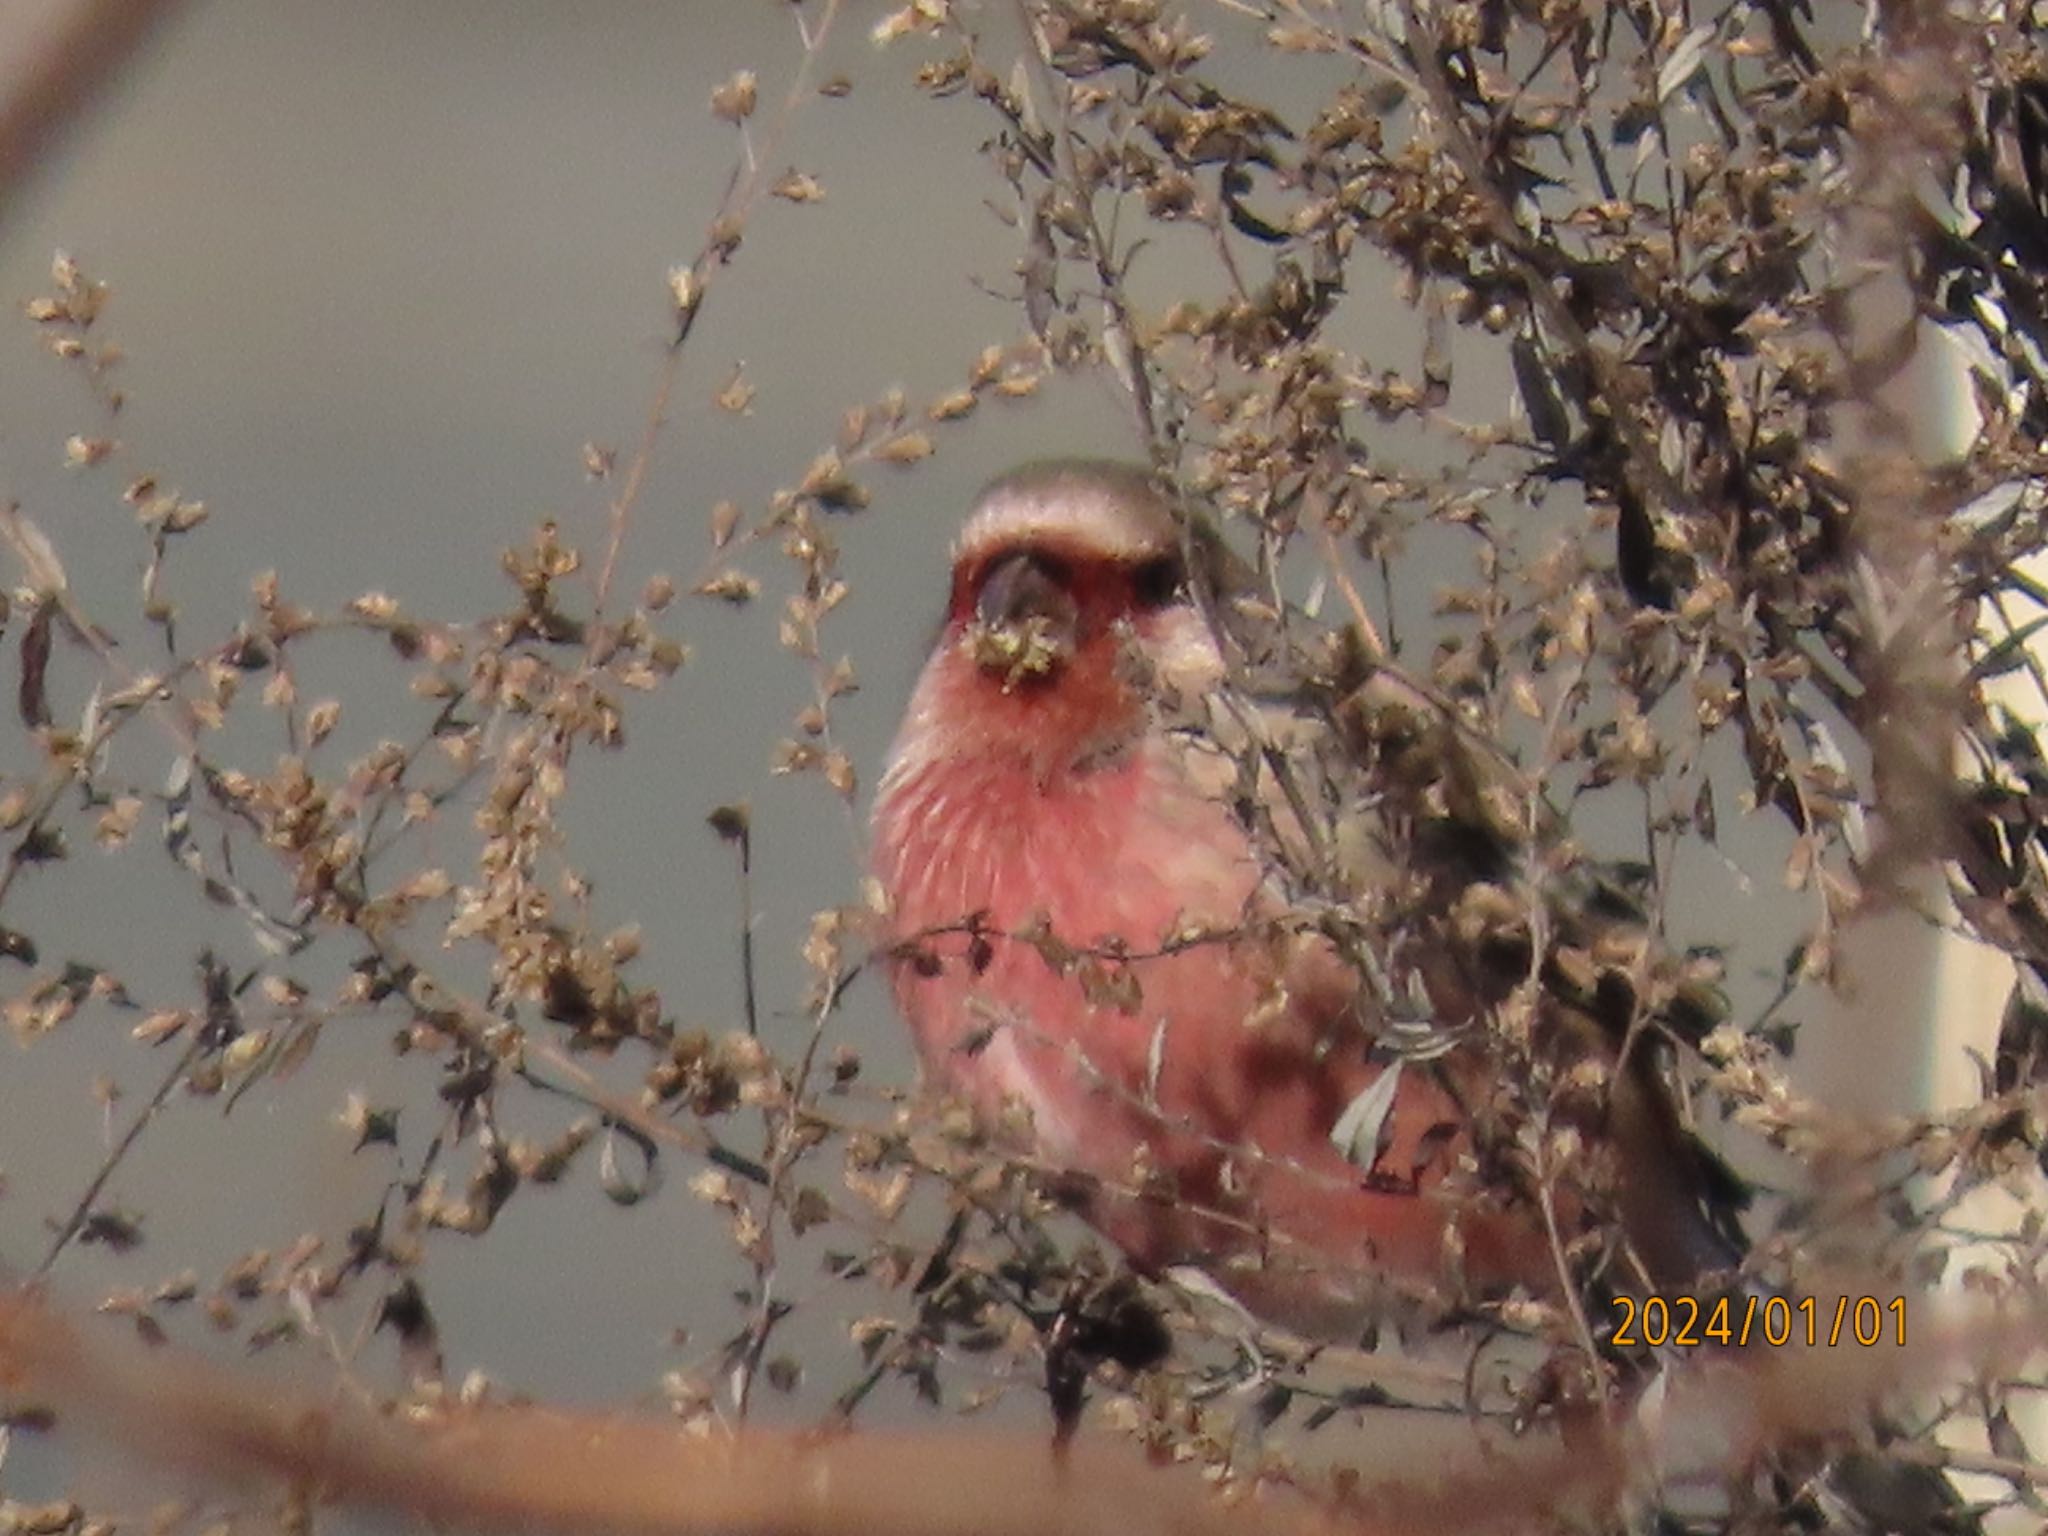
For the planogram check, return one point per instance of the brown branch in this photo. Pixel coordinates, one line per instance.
(484, 1469)
(1611, 395)
(65, 71)
(1121, 324)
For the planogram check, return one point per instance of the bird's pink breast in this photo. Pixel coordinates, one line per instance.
(1209, 1088)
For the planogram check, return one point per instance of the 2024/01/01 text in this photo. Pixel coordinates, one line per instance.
(1687, 1321)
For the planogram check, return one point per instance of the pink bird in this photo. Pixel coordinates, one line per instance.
(1088, 949)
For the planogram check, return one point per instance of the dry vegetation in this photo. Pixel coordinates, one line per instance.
(1701, 572)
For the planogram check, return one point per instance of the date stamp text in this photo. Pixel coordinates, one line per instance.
(1688, 1322)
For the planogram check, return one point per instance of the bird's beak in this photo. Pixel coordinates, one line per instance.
(1025, 622)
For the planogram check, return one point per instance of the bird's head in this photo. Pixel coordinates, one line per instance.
(1069, 608)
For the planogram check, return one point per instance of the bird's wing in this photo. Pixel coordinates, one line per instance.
(1447, 885)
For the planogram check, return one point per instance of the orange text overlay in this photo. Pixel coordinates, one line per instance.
(1688, 1321)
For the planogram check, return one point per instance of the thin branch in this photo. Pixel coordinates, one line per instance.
(81, 1211)
(742, 194)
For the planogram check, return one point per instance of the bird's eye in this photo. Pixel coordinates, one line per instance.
(1158, 582)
